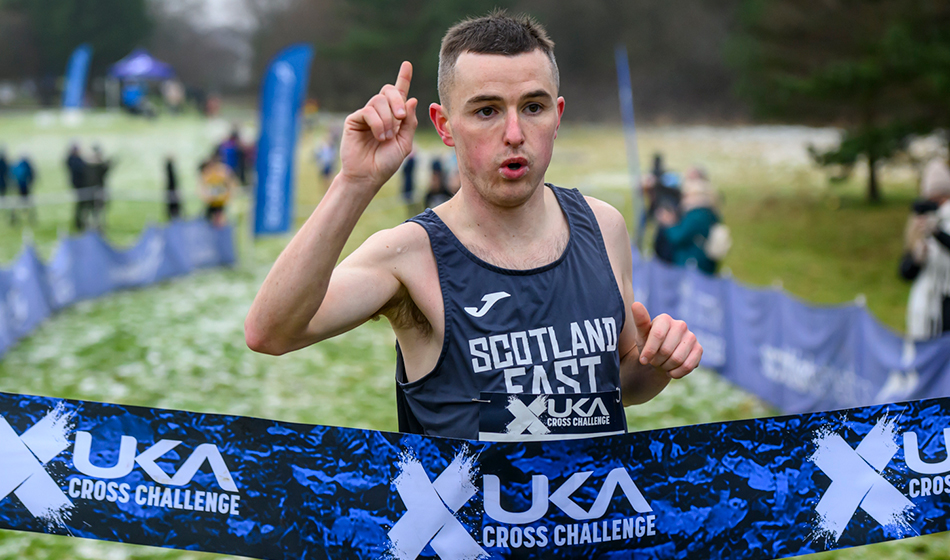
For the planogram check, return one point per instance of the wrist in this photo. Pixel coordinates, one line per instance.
(355, 188)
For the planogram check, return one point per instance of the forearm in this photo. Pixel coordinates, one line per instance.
(295, 287)
(638, 382)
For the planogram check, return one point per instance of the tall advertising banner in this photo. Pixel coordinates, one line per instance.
(76, 71)
(744, 490)
(625, 92)
(282, 95)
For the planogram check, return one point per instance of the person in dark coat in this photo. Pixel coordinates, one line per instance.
(438, 189)
(97, 168)
(4, 172)
(172, 200)
(76, 166)
(24, 175)
(409, 178)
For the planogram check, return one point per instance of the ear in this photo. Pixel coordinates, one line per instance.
(560, 112)
(440, 120)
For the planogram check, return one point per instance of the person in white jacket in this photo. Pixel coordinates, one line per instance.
(927, 255)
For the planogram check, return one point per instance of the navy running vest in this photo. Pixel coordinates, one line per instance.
(527, 354)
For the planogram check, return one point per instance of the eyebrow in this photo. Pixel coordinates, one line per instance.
(489, 98)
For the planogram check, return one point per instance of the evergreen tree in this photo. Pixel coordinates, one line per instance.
(878, 68)
(112, 27)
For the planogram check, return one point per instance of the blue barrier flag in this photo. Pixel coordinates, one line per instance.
(796, 356)
(282, 95)
(76, 71)
(86, 266)
(744, 490)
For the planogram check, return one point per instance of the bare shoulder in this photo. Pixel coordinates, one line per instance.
(612, 225)
(394, 247)
(404, 254)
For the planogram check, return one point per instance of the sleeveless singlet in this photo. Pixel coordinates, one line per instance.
(527, 354)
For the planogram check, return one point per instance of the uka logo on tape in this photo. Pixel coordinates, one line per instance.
(162, 496)
(146, 459)
(432, 509)
(25, 475)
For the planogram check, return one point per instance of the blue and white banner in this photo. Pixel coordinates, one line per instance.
(282, 95)
(87, 266)
(798, 357)
(75, 87)
(755, 489)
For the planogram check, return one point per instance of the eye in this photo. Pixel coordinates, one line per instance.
(534, 108)
(485, 112)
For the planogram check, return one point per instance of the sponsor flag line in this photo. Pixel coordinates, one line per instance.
(86, 266)
(796, 356)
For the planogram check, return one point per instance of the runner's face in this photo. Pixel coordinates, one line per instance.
(503, 119)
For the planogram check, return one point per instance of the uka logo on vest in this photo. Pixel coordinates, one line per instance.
(857, 479)
(432, 511)
(25, 475)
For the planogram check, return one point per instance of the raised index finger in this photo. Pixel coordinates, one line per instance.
(404, 78)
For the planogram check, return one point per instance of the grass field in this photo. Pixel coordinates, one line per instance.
(180, 344)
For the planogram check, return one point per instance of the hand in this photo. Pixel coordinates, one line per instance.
(665, 343)
(378, 137)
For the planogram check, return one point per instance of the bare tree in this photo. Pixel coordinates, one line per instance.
(204, 55)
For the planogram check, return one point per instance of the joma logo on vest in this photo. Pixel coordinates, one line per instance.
(151, 495)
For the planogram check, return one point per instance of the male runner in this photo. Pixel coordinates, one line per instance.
(512, 303)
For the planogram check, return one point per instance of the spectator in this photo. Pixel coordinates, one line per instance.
(4, 172)
(24, 175)
(438, 187)
(76, 166)
(453, 180)
(409, 177)
(172, 200)
(233, 155)
(665, 197)
(688, 236)
(97, 169)
(326, 159)
(135, 100)
(173, 93)
(926, 259)
(217, 184)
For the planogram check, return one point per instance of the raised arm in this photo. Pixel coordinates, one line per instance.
(303, 300)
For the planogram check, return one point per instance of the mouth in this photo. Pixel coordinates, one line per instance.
(514, 168)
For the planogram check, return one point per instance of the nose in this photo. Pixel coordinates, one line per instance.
(514, 136)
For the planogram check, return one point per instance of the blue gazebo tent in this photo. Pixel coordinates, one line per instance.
(139, 65)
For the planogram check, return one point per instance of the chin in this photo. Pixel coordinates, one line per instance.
(511, 194)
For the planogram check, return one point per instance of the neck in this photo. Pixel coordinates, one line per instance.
(523, 219)
(524, 236)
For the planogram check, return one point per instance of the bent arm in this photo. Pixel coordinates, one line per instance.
(638, 382)
(669, 349)
(303, 299)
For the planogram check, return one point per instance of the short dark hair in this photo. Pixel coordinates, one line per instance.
(495, 33)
